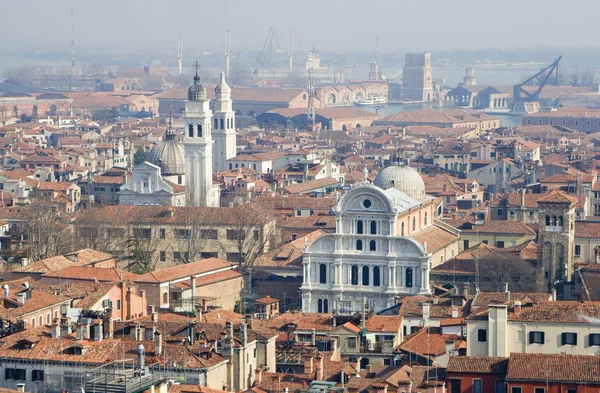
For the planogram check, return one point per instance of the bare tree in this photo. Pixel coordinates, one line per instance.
(46, 232)
(583, 77)
(497, 270)
(251, 231)
(95, 232)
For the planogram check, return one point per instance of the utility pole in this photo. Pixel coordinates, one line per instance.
(72, 50)
(228, 54)
(180, 54)
(291, 52)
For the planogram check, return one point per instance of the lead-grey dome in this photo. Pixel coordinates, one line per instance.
(169, 154)
(403, 178)
(196, 92)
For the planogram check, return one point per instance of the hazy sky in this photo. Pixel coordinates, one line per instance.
(333, 24)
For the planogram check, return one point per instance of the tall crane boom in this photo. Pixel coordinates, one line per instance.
(381, 75)
(522, 95)
(228, 54)
(180, 54)
(264, 57)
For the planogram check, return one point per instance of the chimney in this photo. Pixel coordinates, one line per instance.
(154, 316)
(98, 331)
(363, 312)
(308, 365)
(109, 326)
(313, 337)
(553, 294)
(523, 198)
(435, 300)
(277, 383)
(454, 312)
(450, 348)
(426, 314)
(55, 330)
(134, 332)
(466, 290)
(517, 307)
(507, 291)
(542, 173)
(21, 297)
(86, 328)
(20, 387)
(258, 376)
(7, 288)
(65, 326)
(368, 369)
(319, 367)
(158, 344)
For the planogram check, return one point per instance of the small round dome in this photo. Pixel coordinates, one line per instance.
(403, 178)
(169, 156)
(196, 92)
(222, 87)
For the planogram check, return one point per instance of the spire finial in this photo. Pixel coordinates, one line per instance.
(196, 77)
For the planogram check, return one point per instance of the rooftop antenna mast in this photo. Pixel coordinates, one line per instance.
(311, 99)
(291, 52)
(72, 49)
(380, 75)
(180, 54)
(227, 54)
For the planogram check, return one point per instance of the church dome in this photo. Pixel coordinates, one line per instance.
(222, 88)
(196, 92)
(403, 178)
(169, 155)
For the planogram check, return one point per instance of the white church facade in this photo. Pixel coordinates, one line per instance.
(372, 254)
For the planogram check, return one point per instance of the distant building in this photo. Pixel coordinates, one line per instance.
(417, 78)
(147, 187)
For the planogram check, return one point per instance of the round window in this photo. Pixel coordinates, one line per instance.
(367, 203)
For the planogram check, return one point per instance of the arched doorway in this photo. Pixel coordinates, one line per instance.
(358, 125)
(332, 99)
(34, 112)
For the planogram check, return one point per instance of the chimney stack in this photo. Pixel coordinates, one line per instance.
(454, 312)
(55, 330)
(426, 314)
(319, 367)
(158, 346)
(258, 376)
(141, 357)
(308, 365)
(21, 387)
(98, 331)
(79, 335)
(517, 307)
(313, 337)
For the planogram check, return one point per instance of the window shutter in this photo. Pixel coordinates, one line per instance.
(531, 337)
(564, 338)
(543, 334)
(574, 338)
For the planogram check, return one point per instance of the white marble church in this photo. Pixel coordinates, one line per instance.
(371, 254)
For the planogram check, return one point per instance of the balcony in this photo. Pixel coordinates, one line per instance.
(554, 228)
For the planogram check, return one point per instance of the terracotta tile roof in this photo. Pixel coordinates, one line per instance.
(562, 312)
(324, 223)
(429, 342)
(91, 274)
(221, 316)
(412, 306)
(303, 321)
(266, 300)
(422, 374)
(436, 238)
(219, 277)
(311, 185)
(87, 256)
(39, 300)
(287, 255)
(483, 299)
(578, 369)
(47, 265)
(348, 325)
(182, 388)
(492, 226)
(384, 323)
(557, 196)
(185, 270)
(477, 365)
(587, 229)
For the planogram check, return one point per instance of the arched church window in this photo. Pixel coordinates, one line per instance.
(222, 124)
(323, 273)
(409, 277)
(354, 275)
(216, 124)
(560, 221)
(372, 245)
(376, 276)
(365, 275)
(553, 221)
(373, 227)
(179, 179)
(359, 227)
(547, 220)
(230, 166)
(425, 219)
(414, 223)
(191, 130)
(402, 229)
(199, 130)
(325, 305)
(359, 245)
(319, 305)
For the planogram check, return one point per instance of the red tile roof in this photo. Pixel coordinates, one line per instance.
(577, 369)
(92, 273)
(477, 365)
(185, 270)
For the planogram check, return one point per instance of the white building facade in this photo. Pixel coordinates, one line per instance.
(198, 144)
(147, 187)
(367, 257)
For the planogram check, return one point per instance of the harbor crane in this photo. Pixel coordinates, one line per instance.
(264, 57)
(521, 95)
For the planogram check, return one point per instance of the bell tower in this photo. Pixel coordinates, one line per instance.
(223, 126)
(556, 237)
(198, 146)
